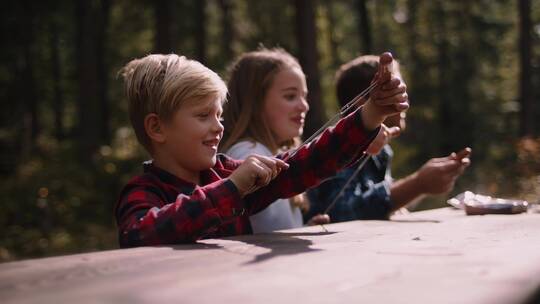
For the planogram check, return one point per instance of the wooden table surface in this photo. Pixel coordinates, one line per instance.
(437, 256)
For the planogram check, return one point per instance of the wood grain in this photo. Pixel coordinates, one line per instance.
(437, 256)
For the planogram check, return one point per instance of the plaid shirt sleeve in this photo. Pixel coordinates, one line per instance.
(144, 218)
(335, 149)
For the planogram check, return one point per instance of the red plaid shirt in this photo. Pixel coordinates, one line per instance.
(159, 208)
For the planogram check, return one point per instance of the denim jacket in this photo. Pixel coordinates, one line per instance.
(367, 196)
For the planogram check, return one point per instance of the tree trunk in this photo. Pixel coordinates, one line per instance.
(87, 72)
(412, 34)
(444, 86)
(525, 94)
(58, 102)
(455, 80)
(417, 67)
(163, 18)
(364, 29)
(331, 34)
(462, 77)
(309, 58)
(103, 71)
(28, 89)
(201, 30)
(227, 28)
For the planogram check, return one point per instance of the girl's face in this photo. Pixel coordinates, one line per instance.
(285, 104)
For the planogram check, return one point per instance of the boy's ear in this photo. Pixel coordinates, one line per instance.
(154, 128)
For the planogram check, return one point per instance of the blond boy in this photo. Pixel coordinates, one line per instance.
(188, 191)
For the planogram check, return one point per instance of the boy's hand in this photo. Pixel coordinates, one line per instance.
(319, 219)
(389, 98)
(384, 136)
(462, 156)
(438, 175)
(255, 172)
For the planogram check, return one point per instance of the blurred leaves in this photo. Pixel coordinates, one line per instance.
(54, 204)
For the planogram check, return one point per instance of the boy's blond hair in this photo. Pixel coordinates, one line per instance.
(160, 84)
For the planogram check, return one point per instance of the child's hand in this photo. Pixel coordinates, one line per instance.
(389, 98)
(462, 156)
(384, 136)
(319, 219)
(438, 175)
(255, 172)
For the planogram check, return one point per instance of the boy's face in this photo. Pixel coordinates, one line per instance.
(285, 104)
(193, 134)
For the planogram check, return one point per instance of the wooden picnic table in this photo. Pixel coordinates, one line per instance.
(436, 256)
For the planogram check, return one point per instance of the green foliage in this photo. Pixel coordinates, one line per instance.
(57, 203)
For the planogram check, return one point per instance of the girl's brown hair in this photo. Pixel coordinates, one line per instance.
(250, 78)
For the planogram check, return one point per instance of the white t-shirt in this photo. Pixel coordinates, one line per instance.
(278, 215)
